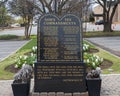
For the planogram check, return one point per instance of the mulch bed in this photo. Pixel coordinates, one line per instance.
(106, 64)
(93, 50)
(11, 68)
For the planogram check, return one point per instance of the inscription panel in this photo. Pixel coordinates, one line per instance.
(60, 77)
(59, 39)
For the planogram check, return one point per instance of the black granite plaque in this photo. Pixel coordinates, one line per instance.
(59, 66)
(60, 77)
(59, 39)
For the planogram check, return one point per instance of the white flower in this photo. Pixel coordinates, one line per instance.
(93, 64)
(25, 57)
(84, 60)
(16, 66)
(33, 65)
(20, 57)
(83, 48)
(23, 65)
(35, 47)
(96, 60)
(32, 54)
(88, 60)
(97, 57)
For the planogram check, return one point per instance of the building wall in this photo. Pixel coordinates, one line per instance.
(119, 13)
(99, 10)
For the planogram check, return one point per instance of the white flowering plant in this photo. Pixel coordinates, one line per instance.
(86, 47)
(34, 49)
(30, 60)
(92, 61)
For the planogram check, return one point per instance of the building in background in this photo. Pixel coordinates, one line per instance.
(98, 13)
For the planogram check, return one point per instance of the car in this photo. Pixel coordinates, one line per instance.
(99, 22)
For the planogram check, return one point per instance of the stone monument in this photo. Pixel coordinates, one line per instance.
(59, 66)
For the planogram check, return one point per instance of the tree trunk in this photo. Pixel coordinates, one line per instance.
(107, 27)
(26, 31)
(28, 28)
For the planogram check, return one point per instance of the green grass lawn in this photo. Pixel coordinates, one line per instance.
(33, 42)
(101, 34)
(114, 59)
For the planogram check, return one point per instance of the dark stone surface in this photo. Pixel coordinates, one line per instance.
(59, 39)
(60, 77)
(59, 66)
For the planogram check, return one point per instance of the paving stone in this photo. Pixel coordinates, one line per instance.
(76, 94)
(43, 94)
(35, 94)
(110, 87)
(60, 93)
(84, 94)
(51, 94)
(68, 94)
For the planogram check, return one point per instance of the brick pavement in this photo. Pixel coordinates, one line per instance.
(110, 87)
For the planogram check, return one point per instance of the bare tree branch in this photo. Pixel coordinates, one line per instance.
(48, 6)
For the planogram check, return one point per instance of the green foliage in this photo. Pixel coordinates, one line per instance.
(5, 19)
(7, 37)
(91, 18)
(20, 21)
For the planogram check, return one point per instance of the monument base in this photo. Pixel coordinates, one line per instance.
(59, 94)
(67, 77)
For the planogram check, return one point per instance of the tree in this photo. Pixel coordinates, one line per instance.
(91, 18)
(4, 17)
(2, 2)
(59, 7)
(26, 10)
(109, 8)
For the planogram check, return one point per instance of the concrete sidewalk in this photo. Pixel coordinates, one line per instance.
(110, 86)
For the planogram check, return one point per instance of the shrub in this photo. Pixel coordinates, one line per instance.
(8, 37)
